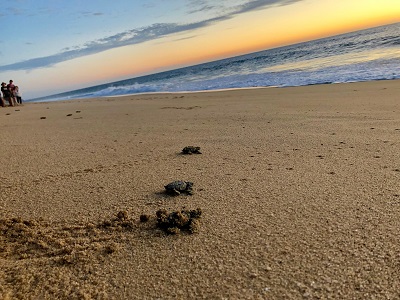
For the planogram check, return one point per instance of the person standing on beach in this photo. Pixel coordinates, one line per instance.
(17, 94)
(6, 94)
(11, 88)
(2, 103)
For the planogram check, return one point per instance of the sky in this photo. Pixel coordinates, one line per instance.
(54, 46)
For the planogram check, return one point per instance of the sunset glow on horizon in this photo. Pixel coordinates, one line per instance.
(80, 55)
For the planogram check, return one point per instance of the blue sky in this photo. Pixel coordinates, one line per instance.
(48, 41)
(81, 28)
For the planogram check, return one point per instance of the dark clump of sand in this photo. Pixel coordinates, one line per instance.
(144, 218)
(177, 221)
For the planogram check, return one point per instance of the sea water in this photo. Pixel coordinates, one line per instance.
(371, 54)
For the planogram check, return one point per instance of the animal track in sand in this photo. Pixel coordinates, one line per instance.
(181, 107)
(38, 256)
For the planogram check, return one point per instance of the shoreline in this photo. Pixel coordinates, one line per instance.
(298, 188)
(213, 91)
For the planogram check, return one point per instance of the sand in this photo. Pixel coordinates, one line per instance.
(298, 188)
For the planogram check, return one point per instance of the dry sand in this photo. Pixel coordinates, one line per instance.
(299, 189)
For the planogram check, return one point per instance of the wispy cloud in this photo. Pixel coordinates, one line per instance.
(260, 4)
(140, 35)
(201, 6)
(88, 13)
(15, 11)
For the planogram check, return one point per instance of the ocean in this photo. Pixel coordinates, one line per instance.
(371, 54)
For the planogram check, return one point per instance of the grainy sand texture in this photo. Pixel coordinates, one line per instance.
(298, 190)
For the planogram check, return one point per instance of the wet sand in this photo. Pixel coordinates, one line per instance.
(298, 188)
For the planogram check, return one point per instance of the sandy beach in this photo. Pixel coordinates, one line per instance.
(298, 188)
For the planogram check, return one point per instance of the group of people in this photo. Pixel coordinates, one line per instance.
(11, 94)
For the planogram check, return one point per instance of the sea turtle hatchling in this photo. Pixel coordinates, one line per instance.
(191, 150)
(175, 188)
